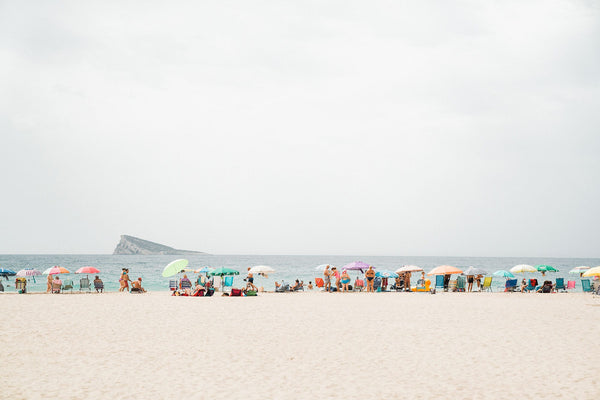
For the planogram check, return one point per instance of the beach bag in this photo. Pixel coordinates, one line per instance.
(251, 293)
(209, 292)
(236, 292)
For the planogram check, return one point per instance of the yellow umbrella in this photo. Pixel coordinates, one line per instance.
(592, 272)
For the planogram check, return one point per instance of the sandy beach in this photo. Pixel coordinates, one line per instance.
(300, 345)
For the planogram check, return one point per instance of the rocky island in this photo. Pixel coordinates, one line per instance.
(133, 245)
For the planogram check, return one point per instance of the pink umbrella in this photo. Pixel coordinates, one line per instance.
(56, 270)
(356, 266)
(87, 270)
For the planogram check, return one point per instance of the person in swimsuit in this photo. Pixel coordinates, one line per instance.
(370, 275)
(478, 281)
(124, 281)
(336, 274)
(345, 281)
(136, 286)
(310, 285)
(250, 279)
(327, 278)
(470, 280)
(49, 282)
(407, 281)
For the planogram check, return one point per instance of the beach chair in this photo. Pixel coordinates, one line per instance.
(359, 285)
(67, 285)
(570, 285)
(532, 285)
(173, 285)
(560, 285)
(452, 285)
(187, 284)
(84, 283)
(319, 282)
(510, 285)
(99, 286)
(377, 284)
(227, 282)
(487, 284)
(56, 287)
(461, 283)
(585, 285)
(21, 285)
(283, 288)
(439, 282)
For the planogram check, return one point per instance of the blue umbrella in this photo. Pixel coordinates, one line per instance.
(7, 272)
(503, 273)
(386, 274)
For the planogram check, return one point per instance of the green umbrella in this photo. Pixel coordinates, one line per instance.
(174, 267)
(545, 268)
(223, 271)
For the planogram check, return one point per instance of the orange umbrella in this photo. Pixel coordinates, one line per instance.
(444, 270)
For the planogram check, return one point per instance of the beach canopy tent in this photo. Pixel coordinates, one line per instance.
(474, 271)
(175, 267)
(87, 270)
(261, 269)
(386, 274)
(408, 268)
(503, 273)
(522, 268)
(445, 270)
(323, 266)
(356, 266)
(579, 270)
(56, 270)
(592, 272)
(545, 268)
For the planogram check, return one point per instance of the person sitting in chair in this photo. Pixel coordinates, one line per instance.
(295, 286)
(546, 287)
(136, 286)
(98, 284)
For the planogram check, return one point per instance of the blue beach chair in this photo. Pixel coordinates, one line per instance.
(511, 285)
(532, 285)
(228, 282)
(560, 284)
(585, 285)
(439, 282)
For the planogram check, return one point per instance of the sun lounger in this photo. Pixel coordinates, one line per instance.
(84, 283)
(439, 282)
(487, 284)
(461, 283)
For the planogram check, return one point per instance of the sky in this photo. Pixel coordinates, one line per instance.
(457, 128)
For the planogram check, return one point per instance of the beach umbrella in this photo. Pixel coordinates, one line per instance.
(408, 268)
(224, 271)
(356, 266)
(503, 273)
(87, 270)
(579, 270)
(174, 267)
(592, 272)
(32, 272)
(474, 271)
(56, 270)
(7, 272)
(386, 274)
(322, 267)
(522, 268)
(444, 270)
(261, 269)
(545, 268)
(203, 270)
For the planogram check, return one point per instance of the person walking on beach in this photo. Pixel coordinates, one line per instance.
(49, 283)
(370, 275)
(407, 281)
(336, 275)
(250, 283)
(345, 280)
(124, 281)
(327, 278)
(470, 279)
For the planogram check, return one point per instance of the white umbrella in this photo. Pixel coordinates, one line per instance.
(261, 269)
(408, 268)
(522, 268)
(576, 270)
(474, 271)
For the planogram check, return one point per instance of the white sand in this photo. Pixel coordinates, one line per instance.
(317, 345)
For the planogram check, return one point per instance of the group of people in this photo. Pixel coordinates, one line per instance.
(136, 286)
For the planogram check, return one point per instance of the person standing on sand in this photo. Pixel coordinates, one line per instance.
(407, 281)
(250, 283)
(478, 281)
(345, 280)
(49, 288)
(470, 279)
(327, 278)
(124, 281)
(336, 275)
(370, 275)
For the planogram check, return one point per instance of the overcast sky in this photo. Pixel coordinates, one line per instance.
(301, 127)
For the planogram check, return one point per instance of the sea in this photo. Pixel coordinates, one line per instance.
(287, 267)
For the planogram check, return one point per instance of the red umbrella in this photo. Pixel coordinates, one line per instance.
(87, 270)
